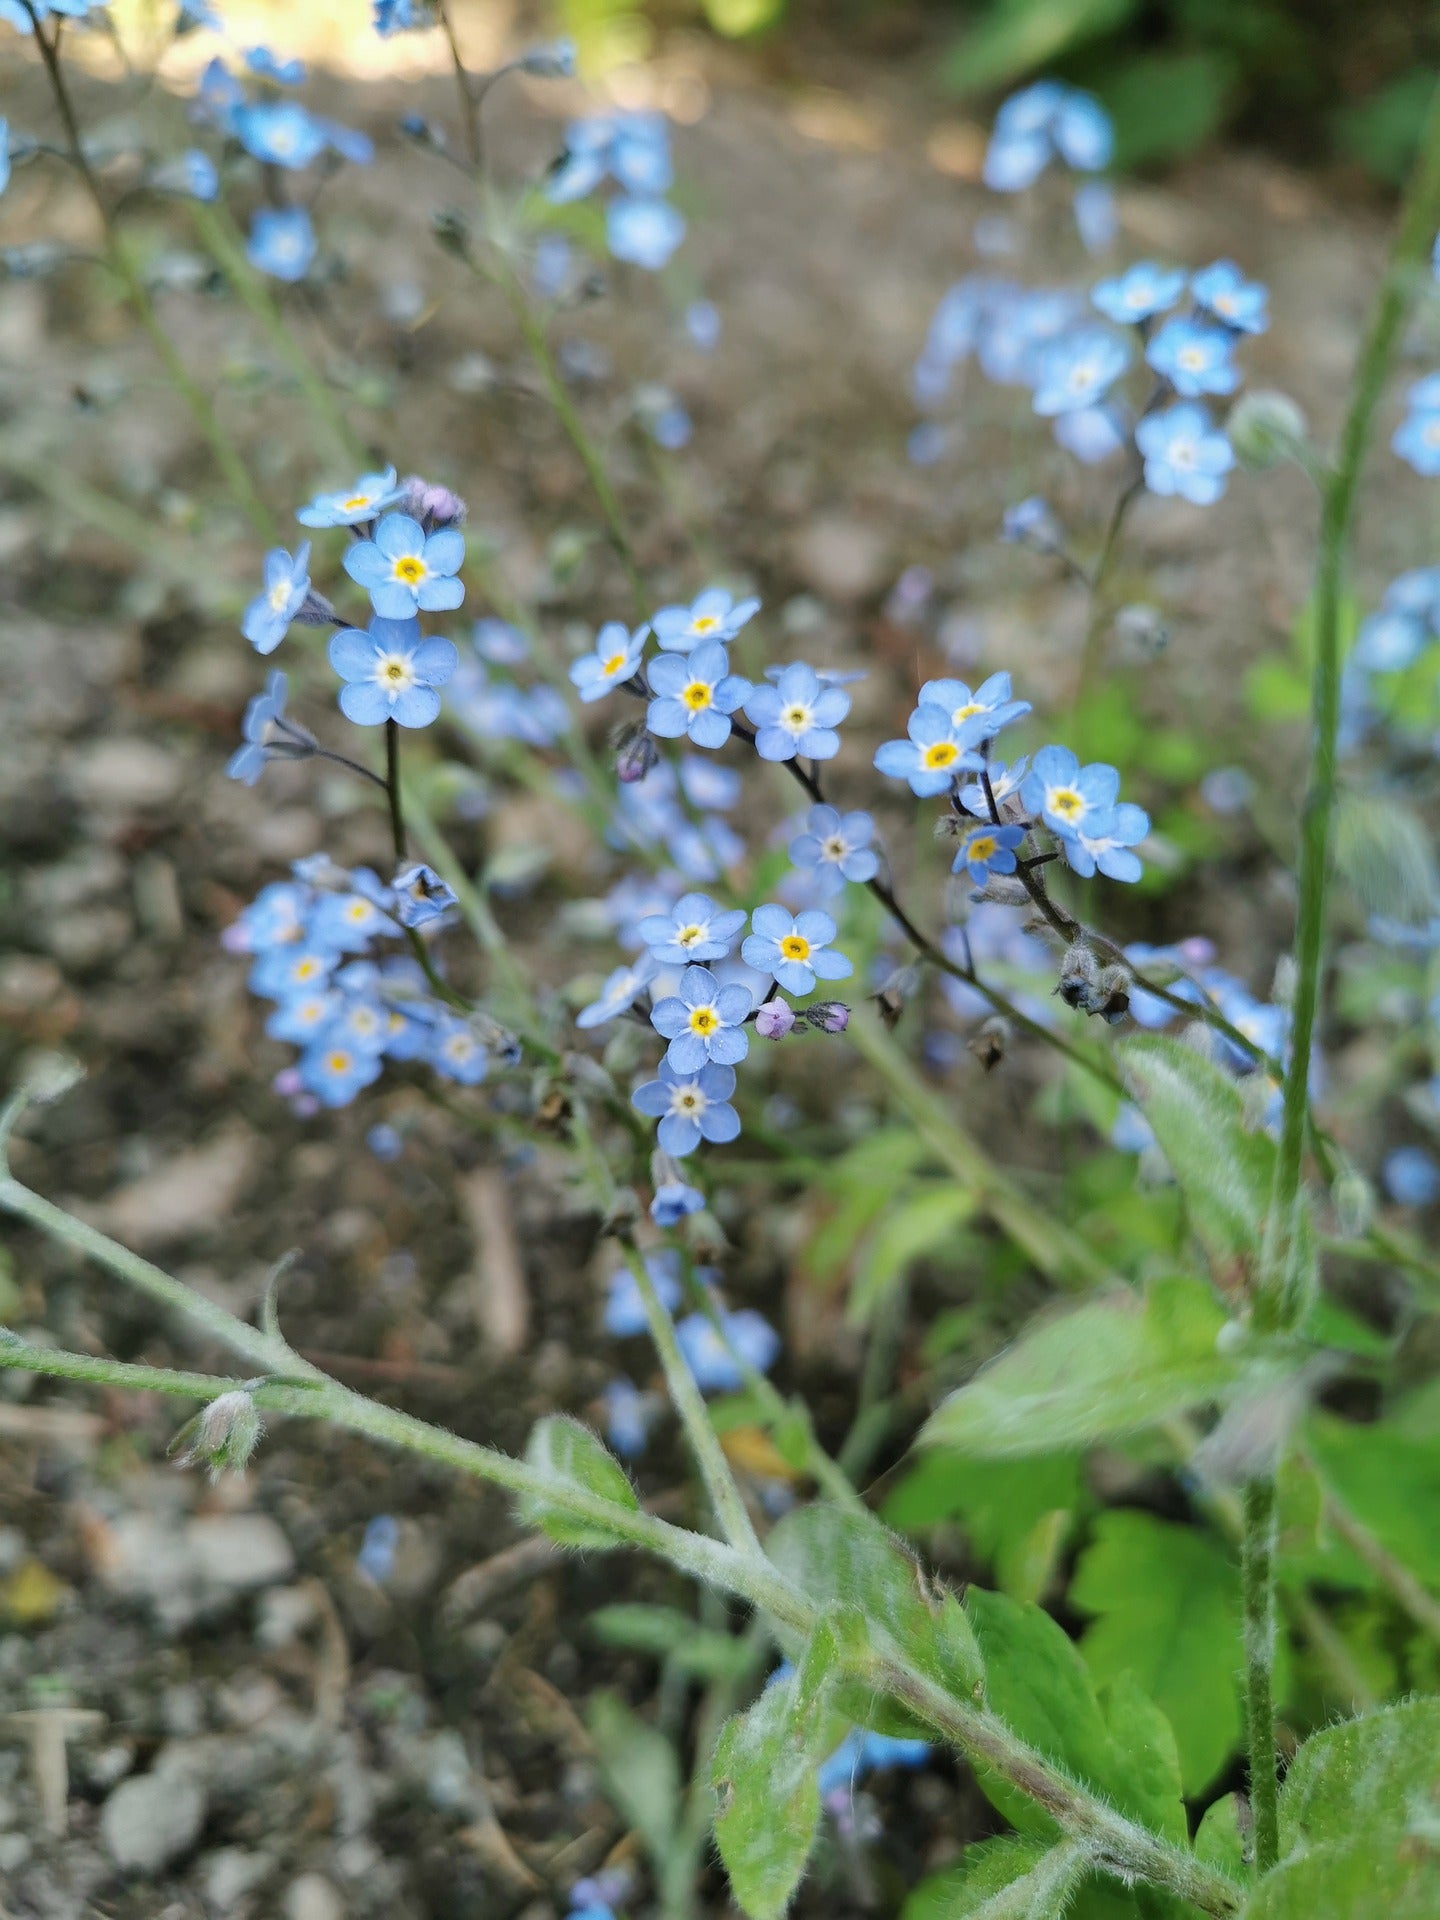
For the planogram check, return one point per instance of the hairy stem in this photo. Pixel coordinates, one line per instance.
(1257, 1586)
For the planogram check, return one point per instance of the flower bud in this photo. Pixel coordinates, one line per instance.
(316, 611)
(451, 232)
(425, 500)
(989, 1041)
(223, 1437)
(1112, 995)
(1353, 1199)
(1266, 428)
(1079, 977)
(1032, 524)
(635, 753)
(1143, 628)
(829, 1016)
(775, 1019)
(899, 988)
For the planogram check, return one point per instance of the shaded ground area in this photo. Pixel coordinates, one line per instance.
(290, 1736)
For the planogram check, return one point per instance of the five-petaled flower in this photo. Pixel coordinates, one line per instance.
(1139, 293)
(985, 849)
(1067, 796)
(715, 615)
(1078, 369)
(979, 715)
(798, 714)
(1104, 844)
(614, 660)
(405, 570)
(704, 1021)
(690, 1107)
(693, 929)
(936, 752)
(837, 846)
(361, 501)
(421, 895)
(390, 673)
(282, 244)
(1223, 290)
(287, 583)
(1184, 454)
(1194, 357)
(695, 694)
(795, 948)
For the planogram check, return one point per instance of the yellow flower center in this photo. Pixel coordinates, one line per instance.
(1066, 802)
(355, 500)
(686, 1101)
(704, 1020)
(358, 911)
(964, 713)
(306, 969)
(410, 568)
(613, 664)
(834, 848)
(944, 753)
(690, 936)
(981, 847)
(707, 623)
(338, 1061)
(797, 719)
(697, 695)
(279, 594)
(795, 947)
(395, 670)
(1192, 357)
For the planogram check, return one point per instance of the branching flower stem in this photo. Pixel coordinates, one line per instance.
(294, 1386)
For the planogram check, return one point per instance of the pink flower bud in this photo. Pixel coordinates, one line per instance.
(774, 1020)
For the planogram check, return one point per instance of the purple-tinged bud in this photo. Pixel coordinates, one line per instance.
(774, 1020)
(425, 500)
(635, 753)
(830, 1016)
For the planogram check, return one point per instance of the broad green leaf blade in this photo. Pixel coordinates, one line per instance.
(1016, 37)
(989, 1868)
(1219, 1842)
(850, 1561)
(1145, 1741)
(1017, 1514)
(1370, 1779)
(924, 1220)
(1389, 1479)
(641, 1771)
(1037, 1683)
(574, 1456)
(764, 1773)
(1196, 1111)
(1093, 1373)
(1167, 1605)
(1351, 1883)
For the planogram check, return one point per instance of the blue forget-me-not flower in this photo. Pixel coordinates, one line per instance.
(798, 714)
(390, 673)
(695, 694)
(1184, 453)
(690, 1107)
(837, 845)
(703, 1021)
(713, 615)
(693, 929)
(795, 948)
(287, 583)
(405, 570)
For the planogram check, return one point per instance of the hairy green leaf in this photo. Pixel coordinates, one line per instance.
(575, 1456)
(764, 1773)
(1017, 1514)
(850, 1561)
(1092, 1373)
(1167, 1601)
(1037, 1683)
(1374, 1777)
(1344, 1882)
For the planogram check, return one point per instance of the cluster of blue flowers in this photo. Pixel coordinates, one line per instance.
(1417, 438)
(1390, 640)
(633, 151)
(317, 946)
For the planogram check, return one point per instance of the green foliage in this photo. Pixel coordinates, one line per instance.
(1382, 851)
(849, 1560)
(1390, 1479)
(571, 1453)
(1219, 1840)
(764, 1775)
(917, 1224)
(1360, 1822)
(1038, 1684)
(1166, 1601)
(987, 1870)
(1384, 131)
(1093, 1373)
(1166, 104)
(1197, 1113)
(1014, 37)
(673, 1636)
(1017, 1514)
(641, 1771)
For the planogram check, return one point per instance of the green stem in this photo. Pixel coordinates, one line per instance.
(1257, 1589)
(392, 789)
(221, 239)
(1093, 649)
(747, 1575)
(1280, 1300)
(694, 1415)
(227, 454)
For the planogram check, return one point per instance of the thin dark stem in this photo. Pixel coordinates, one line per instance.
(353, 766)
(391, 784)
(469, 105)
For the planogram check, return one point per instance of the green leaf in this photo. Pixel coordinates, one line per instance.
(1017, 36)
(1093, 1373)
(850, 1561)
(1219, 1842)
(571, 1454)
(1166, 104)
(987, 1868)
(908, 1229)
(1342, 1882)
(1197, 1113)
(1037, 1683)
(1167, 1601)
(1370, 1779)
(764, 1772)
(1384, 131)
(1388, 1480)
(671, 1635)
(641, 1771)
(1017, 1514)
(1277, 689)
(1382, 851)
